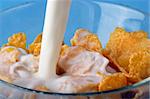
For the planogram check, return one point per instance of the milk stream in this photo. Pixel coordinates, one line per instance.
(56, 16)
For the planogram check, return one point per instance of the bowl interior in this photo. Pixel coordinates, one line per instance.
(28, 17)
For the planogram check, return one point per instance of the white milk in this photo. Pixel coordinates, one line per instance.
(55, 25)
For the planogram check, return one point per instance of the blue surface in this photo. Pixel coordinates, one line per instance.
(28, 16)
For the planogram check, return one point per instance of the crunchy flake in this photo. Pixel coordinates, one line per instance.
(17, 40)
(35, 47)
(87, 40)
(113, 81)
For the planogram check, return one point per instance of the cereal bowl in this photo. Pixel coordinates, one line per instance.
(99, 17)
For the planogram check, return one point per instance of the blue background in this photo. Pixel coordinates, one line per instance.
(28, 16)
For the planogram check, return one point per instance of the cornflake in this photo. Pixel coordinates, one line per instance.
(18, 40)
(35, 47)
(122, 45)
(87, 40)
(113, 81)
(139, 66)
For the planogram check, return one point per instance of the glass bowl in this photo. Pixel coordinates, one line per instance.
(99, 17)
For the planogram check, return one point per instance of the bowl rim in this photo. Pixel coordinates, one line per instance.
(139, 84)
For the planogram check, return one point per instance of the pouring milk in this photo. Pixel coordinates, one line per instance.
(54, 27)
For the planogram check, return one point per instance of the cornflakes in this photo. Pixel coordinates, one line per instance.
(87, 40)
(18, 40)
(139, 66)
(38, 39)
(113, 81)
(35, 47)
(64, 49)
(128, 54)
(123, 44)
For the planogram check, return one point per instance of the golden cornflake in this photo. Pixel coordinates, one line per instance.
(113, 81)
(64, 49)
(38, 39)
(17, 40)
(139, 66)
(35, 47)
(87, 40)
(123, 44)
